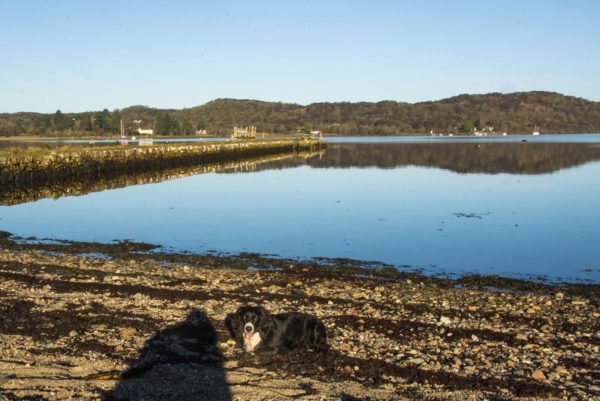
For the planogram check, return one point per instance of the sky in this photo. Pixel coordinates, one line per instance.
(90, 55)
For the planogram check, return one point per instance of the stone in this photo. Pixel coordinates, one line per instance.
(128, 332)
(445, 320)
(538, 375)
(231, 364)
(594, 389)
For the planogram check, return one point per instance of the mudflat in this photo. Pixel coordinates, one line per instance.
(114, 321)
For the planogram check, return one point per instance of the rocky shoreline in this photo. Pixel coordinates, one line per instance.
(125, 321)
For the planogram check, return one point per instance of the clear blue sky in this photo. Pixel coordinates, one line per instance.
(88, 55)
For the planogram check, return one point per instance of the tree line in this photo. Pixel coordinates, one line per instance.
(520, 112)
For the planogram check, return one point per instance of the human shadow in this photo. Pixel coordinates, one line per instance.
(182, 362)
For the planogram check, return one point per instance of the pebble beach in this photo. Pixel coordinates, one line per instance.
(81, 321)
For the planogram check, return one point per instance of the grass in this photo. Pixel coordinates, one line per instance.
(16, 152)
(41, 151)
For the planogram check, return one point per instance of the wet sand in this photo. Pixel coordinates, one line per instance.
(115, 322)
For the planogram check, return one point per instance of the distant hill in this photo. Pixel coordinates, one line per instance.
(517, 112)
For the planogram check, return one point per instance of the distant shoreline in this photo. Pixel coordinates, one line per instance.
(34, 138)
(519, 112)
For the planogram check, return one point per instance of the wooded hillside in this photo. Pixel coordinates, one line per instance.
(513, 113)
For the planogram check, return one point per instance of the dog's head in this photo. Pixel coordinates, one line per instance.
(249, 325)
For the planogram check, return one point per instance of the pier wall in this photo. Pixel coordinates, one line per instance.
(91, 164)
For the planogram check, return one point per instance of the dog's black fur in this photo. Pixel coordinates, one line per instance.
(278, 333)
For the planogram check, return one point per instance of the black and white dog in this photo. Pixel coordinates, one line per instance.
(256, 330)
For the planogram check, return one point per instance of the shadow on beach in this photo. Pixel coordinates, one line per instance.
(182, 362)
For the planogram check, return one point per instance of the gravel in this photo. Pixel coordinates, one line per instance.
(135, 326)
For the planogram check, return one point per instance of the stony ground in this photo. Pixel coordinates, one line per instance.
(127, 324)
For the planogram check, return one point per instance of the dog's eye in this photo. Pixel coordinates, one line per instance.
(249, 327)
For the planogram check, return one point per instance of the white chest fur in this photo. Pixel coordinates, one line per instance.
(251, 344)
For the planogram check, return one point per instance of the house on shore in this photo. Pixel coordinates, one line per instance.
(244, 132)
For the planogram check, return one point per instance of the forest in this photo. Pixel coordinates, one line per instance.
(521, 112)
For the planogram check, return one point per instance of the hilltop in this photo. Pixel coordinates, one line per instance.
(517, 112)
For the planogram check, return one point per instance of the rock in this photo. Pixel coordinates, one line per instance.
(347, 369)
(474, 337)
(538, 375)
(231, 364)
(559, 295)
(416, 361)
(522, 337)
(562, 371)
(473, 308)
(445, 320)
(73, 333)
(579, 302)
(128, 332)
(594, 389)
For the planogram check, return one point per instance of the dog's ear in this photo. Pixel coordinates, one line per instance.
(266, 322)
(232, 322)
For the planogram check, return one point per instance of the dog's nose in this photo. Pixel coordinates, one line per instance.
(248, 328)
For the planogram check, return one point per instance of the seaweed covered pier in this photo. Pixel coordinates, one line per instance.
(33, 169)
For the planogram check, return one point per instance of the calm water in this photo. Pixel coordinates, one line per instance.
(442, 205)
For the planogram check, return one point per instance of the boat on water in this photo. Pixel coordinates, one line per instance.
(122, 137)
(536, 131)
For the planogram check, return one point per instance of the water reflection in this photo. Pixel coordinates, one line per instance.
(510, 209)
(466, 157)
(76, 186)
